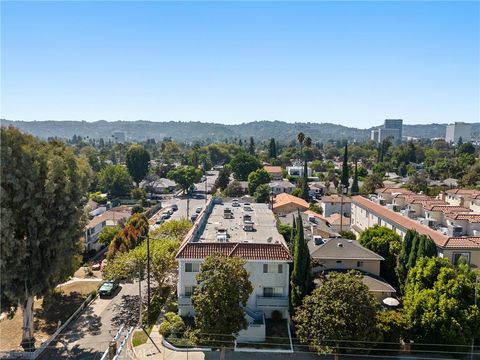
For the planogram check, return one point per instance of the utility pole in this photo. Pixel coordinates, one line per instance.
(148, 277)
(477, 276)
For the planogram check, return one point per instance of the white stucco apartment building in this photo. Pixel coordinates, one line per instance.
(250, 233)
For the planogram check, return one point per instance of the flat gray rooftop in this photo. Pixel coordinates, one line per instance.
(264, 224)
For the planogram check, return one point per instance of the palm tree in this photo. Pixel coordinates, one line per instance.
(307, 142)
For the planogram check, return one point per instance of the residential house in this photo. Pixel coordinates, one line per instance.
(460, 197)
(336, 204)
(264, 250)
(94, 227)
(343, 254)
(159, 186)
(316, 189)
(297, 171)
(275, 172)
(281, 186)
(286, 203)
(339, 223)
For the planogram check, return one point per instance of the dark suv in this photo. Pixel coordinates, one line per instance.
(108, 288)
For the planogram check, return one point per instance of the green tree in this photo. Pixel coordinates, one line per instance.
(224, 287)
(301, 279)
(115, 180)
(185, 176)
(262, 193)
(251, 146)
(338, 316)
(223, 179)
(107, 234)
(243, 164)
(234, 189)
(371, 183)
(386, 243)
(137, 162)
(355, 189)
(176, 229)
(257, 178)
(345, 171)
(272, 149)
(466, 148)
(42, 185)
(348, 234)
(125, 266)
(439, 303)
(393, 326)
(402, 261)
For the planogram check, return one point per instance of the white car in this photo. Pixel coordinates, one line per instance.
(198, 210)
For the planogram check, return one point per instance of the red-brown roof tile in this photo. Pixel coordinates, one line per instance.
(471, 218)
(390, 190)
(284, 198)
(466, 242)
(247, 251)
(471, 192)
(400, 220)
(446, 208)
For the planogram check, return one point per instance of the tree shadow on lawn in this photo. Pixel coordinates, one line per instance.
(57, 307)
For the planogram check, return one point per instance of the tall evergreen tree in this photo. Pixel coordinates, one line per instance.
(137, 162)
(402, 261)
(292, 236)
(355, 189)
(301, 275)
(305, 195)
(251, 146)
(345, 174)
(272, 149)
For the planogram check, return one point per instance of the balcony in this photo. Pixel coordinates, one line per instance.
(276, 302)
(184, 301)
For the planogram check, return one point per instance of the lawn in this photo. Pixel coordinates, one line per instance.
(47, 313)
(139, 336)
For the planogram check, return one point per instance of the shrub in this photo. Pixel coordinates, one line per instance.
(172, 325)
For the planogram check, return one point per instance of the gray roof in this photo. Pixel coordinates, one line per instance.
(343, 249)
(377, 285)
(281, 183)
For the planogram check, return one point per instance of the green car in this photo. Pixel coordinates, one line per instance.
(108, 288)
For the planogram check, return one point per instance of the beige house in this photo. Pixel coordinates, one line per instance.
(366, 213)
(344, 254)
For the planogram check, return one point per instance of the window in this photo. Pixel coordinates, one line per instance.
(272, 291)
(339, 261)
(359, 263)
(189, 290)
(457, 257)
(192, 267)
(272, 268)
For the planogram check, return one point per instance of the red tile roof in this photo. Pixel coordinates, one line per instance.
(471, 218)
(471, 192)
(390, 190)
(446, 208)
(272, 169)
(247, 251)
(466, 242)
(400, 220)
(313, 213)
(284, 199)
(336, 199)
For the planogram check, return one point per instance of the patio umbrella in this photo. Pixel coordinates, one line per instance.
(391, 301)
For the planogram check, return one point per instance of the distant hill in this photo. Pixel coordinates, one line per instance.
(191, 131)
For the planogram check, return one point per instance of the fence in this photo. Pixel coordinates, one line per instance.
(34, 354)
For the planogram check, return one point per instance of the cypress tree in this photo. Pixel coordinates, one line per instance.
(305, 195)
(412, 256)
(402, 260)
(301, 275)
(272, 149)
(292, 236)
(345, 175)
(355, 190)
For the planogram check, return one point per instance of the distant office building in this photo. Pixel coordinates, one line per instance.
(119, 136)
(391, 129)
(458, 130)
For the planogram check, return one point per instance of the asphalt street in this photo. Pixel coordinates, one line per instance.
(88, 336)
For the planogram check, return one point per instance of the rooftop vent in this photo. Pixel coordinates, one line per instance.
(269, 239)
(340, 245)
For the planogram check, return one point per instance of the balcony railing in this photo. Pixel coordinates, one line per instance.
(184, 301)
(278, 301)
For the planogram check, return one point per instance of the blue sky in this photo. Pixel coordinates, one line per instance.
(352, 63)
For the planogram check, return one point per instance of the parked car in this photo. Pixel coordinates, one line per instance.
(108, 288)
(198, 210)
(235, 203)
(193, 217)
(159, 221)
(170, 211)
(165, 216)
(174, 207)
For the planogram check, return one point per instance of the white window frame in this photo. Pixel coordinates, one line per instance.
(277, 291)
(273, 268)
(195, 267)
(189, 290)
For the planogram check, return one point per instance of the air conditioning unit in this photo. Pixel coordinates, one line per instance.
(476, 232)
(393, 207)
